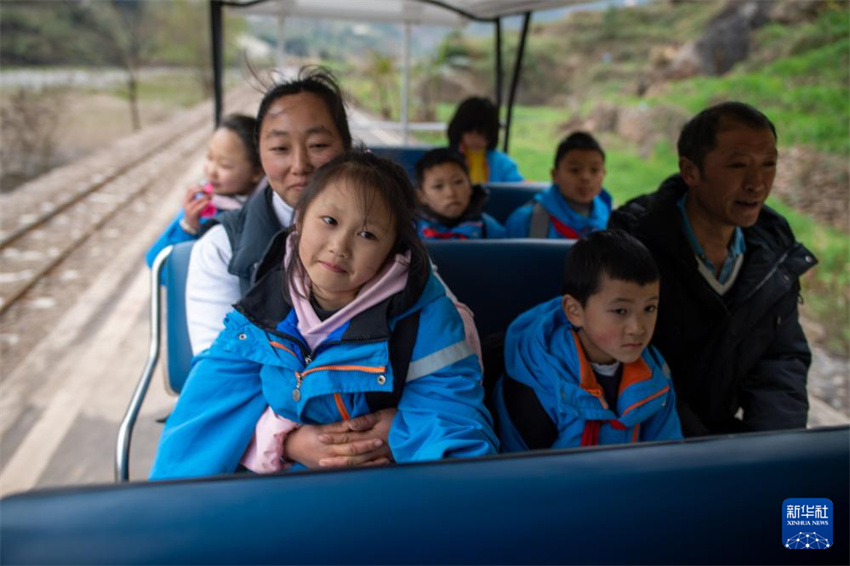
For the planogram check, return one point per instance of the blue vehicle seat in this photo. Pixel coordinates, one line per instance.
(507, 197)
(499, 279)
(170, 267)
(178, 348)
(406, 156)
(703, 501)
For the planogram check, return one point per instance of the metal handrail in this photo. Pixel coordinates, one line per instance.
(125, 430)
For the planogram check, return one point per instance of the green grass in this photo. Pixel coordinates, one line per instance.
(804, 88)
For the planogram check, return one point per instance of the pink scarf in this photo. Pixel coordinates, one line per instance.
(391, 279)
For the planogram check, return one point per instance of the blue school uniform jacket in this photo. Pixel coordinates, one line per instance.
(473, 224)
(551, 373)
(261, 360)
(501, 168)
(563, 221)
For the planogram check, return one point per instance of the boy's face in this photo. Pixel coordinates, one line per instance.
(736, 177)
(579, 175)
(617, 322)
(446, 190)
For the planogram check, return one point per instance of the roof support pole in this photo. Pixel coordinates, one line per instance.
(515, 79)
(405, 86)
(280, 52)
(499, 73)
(215, 43)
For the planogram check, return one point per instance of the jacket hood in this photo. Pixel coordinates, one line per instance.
(540, 346)
(542, 351)
(556, 205)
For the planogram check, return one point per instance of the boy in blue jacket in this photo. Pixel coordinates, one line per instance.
(579, 370)
(450, 206)
(576, 204)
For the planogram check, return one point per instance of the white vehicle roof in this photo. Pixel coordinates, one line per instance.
(427, 12)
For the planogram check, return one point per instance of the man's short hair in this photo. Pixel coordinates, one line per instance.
(577, 140)
(699, 135)
(438, 157)
(614, 253)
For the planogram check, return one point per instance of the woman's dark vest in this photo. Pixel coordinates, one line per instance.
(250, 230)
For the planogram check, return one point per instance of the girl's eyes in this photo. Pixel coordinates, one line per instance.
(619, 311)
(331, 221)
(652, 308)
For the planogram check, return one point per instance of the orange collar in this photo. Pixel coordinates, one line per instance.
(634, 372)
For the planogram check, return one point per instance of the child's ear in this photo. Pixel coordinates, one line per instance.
(420, 196)
(258, 174)
(689, 171)
(573, 310)
(552, 174)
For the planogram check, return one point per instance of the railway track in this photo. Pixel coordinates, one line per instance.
(50, 225)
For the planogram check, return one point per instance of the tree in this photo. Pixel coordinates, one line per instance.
(184, 39)
(128, 31)
(381, 69)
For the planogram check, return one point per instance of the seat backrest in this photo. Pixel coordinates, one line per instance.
(499, 279)
(507, 197)
(406, 156)
(178, 348)
(715, 500)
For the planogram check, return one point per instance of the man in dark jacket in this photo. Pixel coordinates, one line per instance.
(730, 267)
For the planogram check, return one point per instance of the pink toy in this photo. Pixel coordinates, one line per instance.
(209, 210)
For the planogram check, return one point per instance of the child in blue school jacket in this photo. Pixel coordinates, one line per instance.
(450, 206)
(579, 370)
(576, 204)
(312, 342)
(474, 133)
(232, 170)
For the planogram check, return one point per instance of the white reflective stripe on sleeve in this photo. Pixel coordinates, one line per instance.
(438, 360)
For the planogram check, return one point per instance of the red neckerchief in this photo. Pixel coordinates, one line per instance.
(429, 232)
(563, 229)
(590, 435)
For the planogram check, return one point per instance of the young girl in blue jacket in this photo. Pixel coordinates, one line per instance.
(314, 340)
(232, 170)
(474, 132)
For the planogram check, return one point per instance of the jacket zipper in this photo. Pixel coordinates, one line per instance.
(300, 375)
